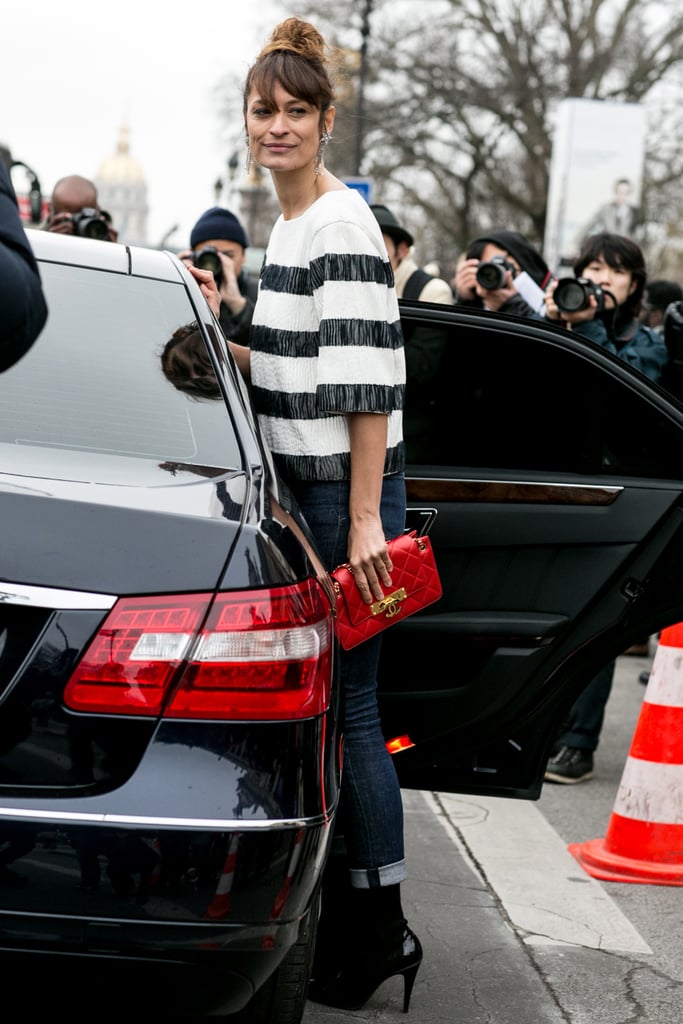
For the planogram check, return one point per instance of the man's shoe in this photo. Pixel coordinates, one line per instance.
(569, 766)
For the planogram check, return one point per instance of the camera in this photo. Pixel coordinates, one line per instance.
(90, 223)
(208, 259)
(492, 273)
(573, 293)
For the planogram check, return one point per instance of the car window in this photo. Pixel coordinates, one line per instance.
(512, 401)
(90, 396)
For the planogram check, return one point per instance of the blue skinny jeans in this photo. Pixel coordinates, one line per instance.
(371, 810)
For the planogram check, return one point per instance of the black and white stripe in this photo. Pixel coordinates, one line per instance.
(326, 338)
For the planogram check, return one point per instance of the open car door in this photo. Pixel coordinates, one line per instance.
(555, 483)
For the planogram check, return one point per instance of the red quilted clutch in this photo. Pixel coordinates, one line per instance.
(415, 584)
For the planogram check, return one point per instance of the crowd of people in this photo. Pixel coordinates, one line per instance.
(338, 389)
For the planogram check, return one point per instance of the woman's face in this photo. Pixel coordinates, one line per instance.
(286, 135)
(617, 281)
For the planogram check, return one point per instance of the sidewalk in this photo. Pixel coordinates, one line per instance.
(514, 931)
(476, 968)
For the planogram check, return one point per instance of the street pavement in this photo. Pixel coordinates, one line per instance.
(514, 930)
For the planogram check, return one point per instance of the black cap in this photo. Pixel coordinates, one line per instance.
(218, 223)
(390, 226)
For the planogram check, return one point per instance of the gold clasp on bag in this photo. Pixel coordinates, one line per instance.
(390, 603)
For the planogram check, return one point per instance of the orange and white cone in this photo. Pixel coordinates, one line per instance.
(281, 898)
(221, 903)
(644, 839)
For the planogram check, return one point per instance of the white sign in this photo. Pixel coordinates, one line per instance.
(595, 175)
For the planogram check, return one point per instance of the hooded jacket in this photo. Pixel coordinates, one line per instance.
(525, 254)
(528, 258)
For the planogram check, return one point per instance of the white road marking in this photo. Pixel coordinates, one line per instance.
(547, 895)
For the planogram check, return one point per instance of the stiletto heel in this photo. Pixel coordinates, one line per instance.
(409, 976)
(351, 987)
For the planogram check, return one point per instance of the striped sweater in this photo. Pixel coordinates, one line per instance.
(326, 338)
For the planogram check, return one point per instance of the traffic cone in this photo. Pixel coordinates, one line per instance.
(644, 839)
(221, 903)
(281, 898)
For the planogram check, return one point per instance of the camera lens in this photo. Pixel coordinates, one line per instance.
(570, 295)
(95, 229)
(89, 223)
(491, 275)
(208, 259)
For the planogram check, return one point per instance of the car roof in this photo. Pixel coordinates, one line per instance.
(51, 247)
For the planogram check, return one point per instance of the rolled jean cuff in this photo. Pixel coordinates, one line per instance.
(375, 878)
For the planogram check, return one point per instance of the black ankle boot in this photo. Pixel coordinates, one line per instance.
(378, 945)
(367, 969)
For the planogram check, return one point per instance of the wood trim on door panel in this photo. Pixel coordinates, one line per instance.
(509, 491)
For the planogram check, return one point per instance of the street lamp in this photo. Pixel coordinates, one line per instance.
(360, 108)
(233, 164)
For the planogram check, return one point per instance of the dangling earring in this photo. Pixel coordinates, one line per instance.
(324, 139)
(247, 163)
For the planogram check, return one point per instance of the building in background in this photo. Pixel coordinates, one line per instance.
(122, 191)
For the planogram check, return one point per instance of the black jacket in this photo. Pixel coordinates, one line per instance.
(237, 328)
(23, 310)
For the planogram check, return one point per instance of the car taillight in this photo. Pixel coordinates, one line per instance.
(257, 654)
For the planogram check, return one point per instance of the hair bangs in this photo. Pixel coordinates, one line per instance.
(296, 76)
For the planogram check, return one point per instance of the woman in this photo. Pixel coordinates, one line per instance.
(327, 372)
(615, 264)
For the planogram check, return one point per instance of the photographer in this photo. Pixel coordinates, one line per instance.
(74, 210)
(218, 242)
(522, 263)
(613, 269)
(604, 303)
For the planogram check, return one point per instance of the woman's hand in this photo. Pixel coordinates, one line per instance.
(207, 284)
(369, 558)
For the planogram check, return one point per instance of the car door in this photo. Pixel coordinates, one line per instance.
(555, 486)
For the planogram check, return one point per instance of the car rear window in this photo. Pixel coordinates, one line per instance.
(90, 396)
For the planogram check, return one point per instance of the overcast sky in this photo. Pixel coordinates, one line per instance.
(73, 72)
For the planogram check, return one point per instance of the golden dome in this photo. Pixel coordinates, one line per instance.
(121, 168)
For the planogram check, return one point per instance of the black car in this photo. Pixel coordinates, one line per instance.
(169, 719)
(168, 723)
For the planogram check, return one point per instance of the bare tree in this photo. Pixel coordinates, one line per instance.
(460, 96)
